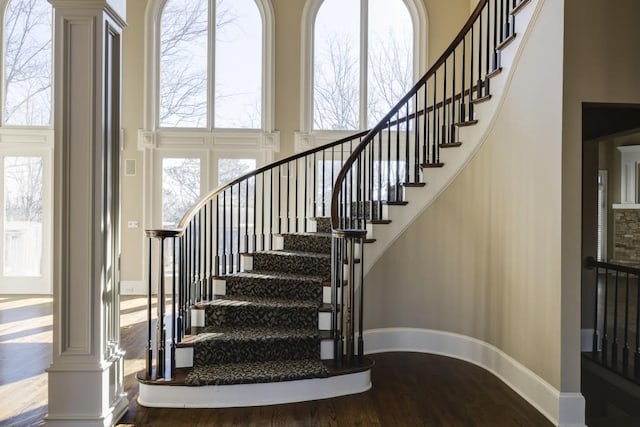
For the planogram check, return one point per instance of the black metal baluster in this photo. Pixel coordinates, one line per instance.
(380, 172)
(288, 196)
(594, 344)
(149, 358)
(323, 182)
(304, 200)
(452, 111)
(246, 216)
(614, 344)
(636, 358)
(436, 119)
(218, 251)
(296, 219)
(254, 248)
(462, 112)
(406, 149)
(271, 209)
(224, 232)
(425, 129)
(279, 200)
(388, 162)
(443, 136)
(173, 311)
(160, 333)
(397, 162)
(262, 212)
(314, 189)
(625, 349)
(605, 335)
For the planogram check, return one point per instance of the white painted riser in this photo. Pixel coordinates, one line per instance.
(184, 355)
(198, 319)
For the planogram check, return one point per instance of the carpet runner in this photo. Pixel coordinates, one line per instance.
(265, 329)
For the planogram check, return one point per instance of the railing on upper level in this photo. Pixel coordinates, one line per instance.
(616, 317)
(409, 139)
(350, 179)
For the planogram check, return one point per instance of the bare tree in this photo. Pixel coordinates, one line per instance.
(183, 60)
(27, 74)
(390, 75)
(336, 97)
(23, 188)
(180, 187)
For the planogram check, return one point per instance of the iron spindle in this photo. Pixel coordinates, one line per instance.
(614, 344)
(625, 348)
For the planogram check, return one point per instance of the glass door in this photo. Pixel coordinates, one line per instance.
(25, 224)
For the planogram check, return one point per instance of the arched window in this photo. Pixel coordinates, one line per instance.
(363, 61)
(210, 64)
(27, 63)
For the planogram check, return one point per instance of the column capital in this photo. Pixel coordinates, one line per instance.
(116, 9)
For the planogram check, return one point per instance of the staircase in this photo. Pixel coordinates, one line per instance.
(262, 283)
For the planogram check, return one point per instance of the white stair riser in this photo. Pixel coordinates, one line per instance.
(198, 318)
(184, 357)
(242, 395)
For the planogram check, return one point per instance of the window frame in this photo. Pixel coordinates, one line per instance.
(153, 17)
(308, 137)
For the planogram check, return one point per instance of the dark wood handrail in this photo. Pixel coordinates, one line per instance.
(335, 197)
(591, 263)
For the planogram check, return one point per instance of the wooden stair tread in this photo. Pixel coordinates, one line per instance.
(431, 165)
(466, 123)
(506, 42)
(519, 7)
(451, 145)
(481, 100)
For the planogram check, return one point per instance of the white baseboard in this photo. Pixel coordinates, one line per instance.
(562, 409)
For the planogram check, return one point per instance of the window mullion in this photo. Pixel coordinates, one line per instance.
(364, 62)
(211, 61)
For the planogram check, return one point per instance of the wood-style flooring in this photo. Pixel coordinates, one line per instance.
(410, 389)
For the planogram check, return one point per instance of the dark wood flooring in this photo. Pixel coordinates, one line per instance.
(410, 389)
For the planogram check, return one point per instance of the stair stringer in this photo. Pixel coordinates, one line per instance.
(455, 159)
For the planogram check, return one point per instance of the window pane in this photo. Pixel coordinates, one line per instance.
(27, 72)
(390, 58)
(229, 169)
(336, 75)
(23, 216)
(183, 64)
(180, 188)
(238, 91)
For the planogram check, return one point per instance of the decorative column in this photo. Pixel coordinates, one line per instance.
(86, 376)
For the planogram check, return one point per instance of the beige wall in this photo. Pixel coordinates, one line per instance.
(484, 259)
(132, 120)
(601, 64)
(445, 20)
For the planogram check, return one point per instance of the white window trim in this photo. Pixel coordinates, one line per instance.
(307, 137)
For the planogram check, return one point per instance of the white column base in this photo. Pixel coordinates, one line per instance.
(77, 400)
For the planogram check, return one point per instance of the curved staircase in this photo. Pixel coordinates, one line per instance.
(261, 292)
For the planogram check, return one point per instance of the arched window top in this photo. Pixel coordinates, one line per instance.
(27, 34)
(209, 64)
(359, 58)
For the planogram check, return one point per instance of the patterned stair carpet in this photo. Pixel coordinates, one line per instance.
(265, 329)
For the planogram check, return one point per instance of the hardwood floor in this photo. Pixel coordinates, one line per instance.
(410, 389)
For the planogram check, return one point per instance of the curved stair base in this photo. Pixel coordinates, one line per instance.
(242, 395)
